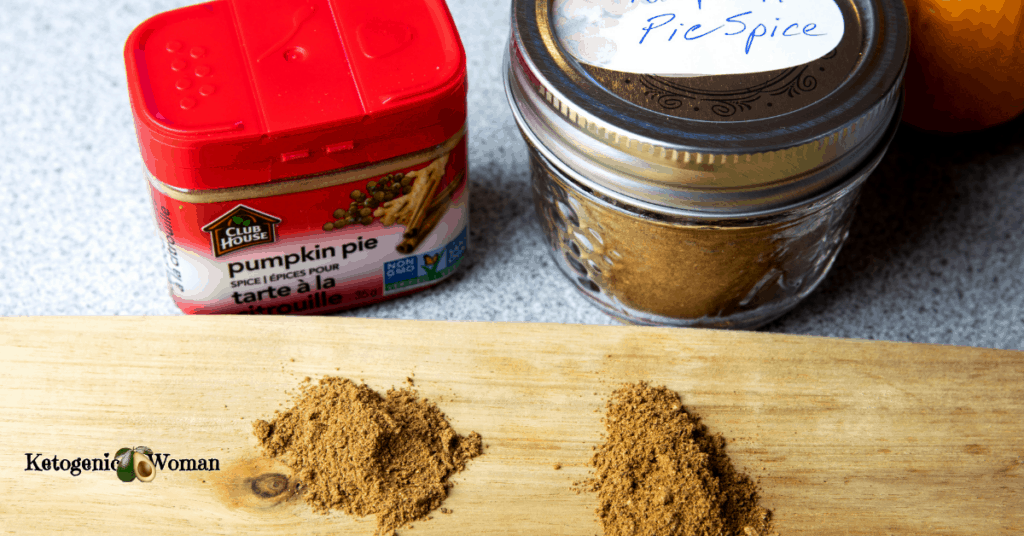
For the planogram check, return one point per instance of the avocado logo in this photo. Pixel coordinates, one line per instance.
(135, 463)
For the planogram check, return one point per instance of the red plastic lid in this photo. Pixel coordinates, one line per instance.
(241, 92)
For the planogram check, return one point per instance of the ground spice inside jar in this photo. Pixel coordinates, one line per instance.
(362, 453)
(738, 273)
(695, 272)
(661, 472)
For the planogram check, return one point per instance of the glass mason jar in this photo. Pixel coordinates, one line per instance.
(718, 198)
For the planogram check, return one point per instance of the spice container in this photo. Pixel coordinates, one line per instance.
(303, 157)
(699, 165)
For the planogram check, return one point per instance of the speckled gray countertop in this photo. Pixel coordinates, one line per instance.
(936, 253)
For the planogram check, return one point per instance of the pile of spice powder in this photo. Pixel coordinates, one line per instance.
(362, 453)
(661, 473)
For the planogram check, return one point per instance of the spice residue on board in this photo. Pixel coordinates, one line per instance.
(661, 472)
(362, 453)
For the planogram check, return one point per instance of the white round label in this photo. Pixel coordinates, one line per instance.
(697, 37)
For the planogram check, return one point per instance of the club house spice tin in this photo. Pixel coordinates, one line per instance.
(698, 163)
(303, 156)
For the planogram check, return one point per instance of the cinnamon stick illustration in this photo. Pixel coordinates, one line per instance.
(409, 244)
(434, 172)
(425, 181)
(445, 194)
(434, 213)
(424, 203)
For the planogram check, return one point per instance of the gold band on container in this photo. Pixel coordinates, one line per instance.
(727, 170)
(315, 182)
(704, 169)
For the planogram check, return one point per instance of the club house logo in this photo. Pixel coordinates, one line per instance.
(239, 228)
(130, 463)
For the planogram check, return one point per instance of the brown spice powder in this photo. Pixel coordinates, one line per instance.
(357, 451)
(661, 473)
(701, 271)
(710, 272)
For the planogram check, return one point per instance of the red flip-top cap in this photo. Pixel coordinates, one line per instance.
(240, 92)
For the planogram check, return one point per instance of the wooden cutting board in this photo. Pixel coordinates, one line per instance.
(846, 437)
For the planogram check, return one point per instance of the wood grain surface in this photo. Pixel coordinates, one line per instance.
(846, 437)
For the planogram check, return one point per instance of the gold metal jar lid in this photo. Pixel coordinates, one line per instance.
(721, 143)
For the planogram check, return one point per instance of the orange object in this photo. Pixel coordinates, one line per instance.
(966, 67)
